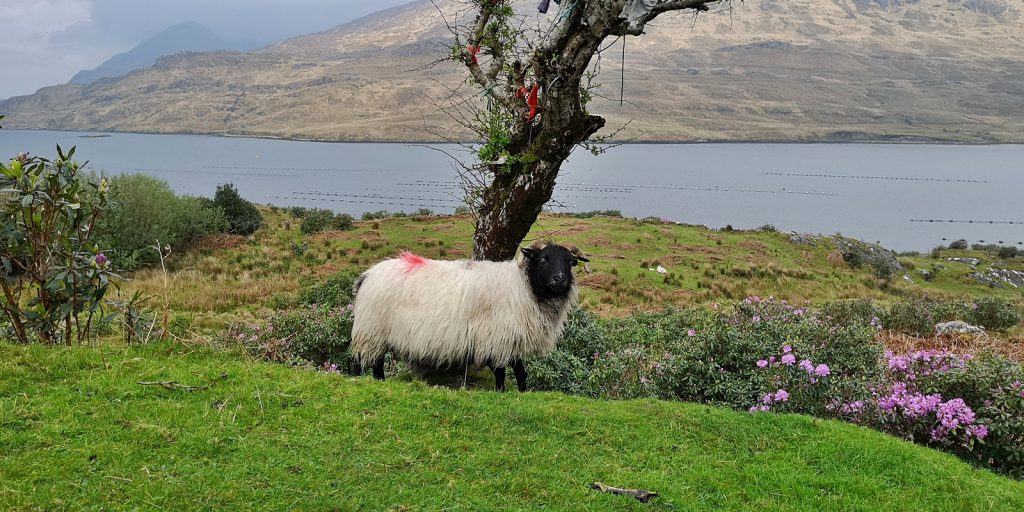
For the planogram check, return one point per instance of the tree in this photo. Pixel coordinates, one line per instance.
(243, 217)
(537, 85)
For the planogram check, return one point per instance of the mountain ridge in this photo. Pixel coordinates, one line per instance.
(186, 36)
(948, 70)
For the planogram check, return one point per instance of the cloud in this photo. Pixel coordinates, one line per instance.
(48, 41)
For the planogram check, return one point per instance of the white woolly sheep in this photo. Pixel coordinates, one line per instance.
(442, 314)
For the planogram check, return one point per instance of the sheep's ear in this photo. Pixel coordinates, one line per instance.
(529, 253)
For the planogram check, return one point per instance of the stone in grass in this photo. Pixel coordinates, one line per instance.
(958, 327)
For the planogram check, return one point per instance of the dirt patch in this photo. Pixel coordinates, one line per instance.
(600, 241)
(599, 281)
(959, 343)
(754, 245)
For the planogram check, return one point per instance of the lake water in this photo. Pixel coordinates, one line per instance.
(902, 195)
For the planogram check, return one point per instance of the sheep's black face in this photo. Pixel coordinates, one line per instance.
(550, 271)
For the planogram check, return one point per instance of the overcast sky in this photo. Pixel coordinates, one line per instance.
(45, 42)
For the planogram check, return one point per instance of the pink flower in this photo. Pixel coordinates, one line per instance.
(781, 396)
(787, 349)
(822, 370)
(788, 359)
(691, 333)
(807, 365)
(756, 319)
(101, 259)
(762, 363)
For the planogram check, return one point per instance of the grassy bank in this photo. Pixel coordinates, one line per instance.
(230, 278)
(77, 432)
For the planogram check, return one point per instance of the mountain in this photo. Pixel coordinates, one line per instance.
(761, 70)
(188, 36)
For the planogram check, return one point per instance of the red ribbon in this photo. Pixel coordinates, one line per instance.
(473, 50)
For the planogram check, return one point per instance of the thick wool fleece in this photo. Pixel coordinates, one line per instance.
(445, 313)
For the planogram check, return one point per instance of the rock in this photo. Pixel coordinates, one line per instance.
(973, 262)
(908, 279)
(927, 275)
(958, 327)
(857, 254)
(1000, 278)
(803, 238)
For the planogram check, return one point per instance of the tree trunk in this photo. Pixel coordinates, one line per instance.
(519, 191)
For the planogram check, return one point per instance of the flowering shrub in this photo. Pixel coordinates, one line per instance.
(52, 273)
(918, 316)
(958, 403)
(993, 313)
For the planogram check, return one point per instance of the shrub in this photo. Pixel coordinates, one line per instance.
(992, 313)
(335, 291)
(916, 316)
(242, 216)
(313, 335)
(144, 210)
(567, 368)
(317, 220)
(853, 312)
(973, 407)
(53, 272)
(958, 244)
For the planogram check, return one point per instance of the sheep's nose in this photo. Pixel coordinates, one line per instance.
(558, 279)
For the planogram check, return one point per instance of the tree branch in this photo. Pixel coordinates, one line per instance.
(486, 79)
(637, 13)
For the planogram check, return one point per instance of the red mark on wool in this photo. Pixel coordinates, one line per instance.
(412, 261)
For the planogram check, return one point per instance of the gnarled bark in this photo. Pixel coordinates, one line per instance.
(519, 189)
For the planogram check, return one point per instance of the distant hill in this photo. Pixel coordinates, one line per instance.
(786, 70)
(188, 36)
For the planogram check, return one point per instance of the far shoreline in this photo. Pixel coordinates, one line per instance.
(895, 140)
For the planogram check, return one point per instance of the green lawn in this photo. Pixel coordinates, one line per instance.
(78, 433)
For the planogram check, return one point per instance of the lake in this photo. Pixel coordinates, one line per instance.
(906, 196)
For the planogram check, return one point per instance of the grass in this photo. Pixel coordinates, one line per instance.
(78, 433)
(231, 280)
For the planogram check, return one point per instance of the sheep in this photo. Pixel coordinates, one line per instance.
(438, 314)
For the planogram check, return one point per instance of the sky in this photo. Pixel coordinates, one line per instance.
(45, 42)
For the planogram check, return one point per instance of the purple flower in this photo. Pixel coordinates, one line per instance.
(762, 363)
(807, 365)
(756, 319)
(788, 359)
(781, 396)
(978, 431)
(691, 333)
(787, 349)
(643, 380)
(799, 312)
(822, 370)
(101, 259)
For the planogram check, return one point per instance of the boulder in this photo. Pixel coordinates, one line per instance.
(958, 327)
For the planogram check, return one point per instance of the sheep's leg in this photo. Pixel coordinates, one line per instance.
(520, 370)
(378, 369)
(499, 378)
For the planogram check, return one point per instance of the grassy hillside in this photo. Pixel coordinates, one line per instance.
(77, 432)
(232, 278)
